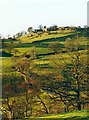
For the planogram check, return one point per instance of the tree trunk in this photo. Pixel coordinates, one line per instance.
(46, 110)
(31, 111)
(79, 105)
(67, 109)
(27, 104)
(26, 110)
(9, 116)
(9, 113)
(78, 100)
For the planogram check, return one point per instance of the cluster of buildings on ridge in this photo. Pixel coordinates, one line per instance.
(42, 29)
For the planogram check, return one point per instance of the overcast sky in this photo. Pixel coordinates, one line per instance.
(18, 15)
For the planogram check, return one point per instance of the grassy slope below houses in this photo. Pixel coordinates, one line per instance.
(41, 47)
(43, 36)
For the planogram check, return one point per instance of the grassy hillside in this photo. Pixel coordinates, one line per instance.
(75, 115)
(40, 47)
(42, 68)
(42, 36)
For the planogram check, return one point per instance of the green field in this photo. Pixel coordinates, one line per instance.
(31, 57)
(75, 115)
